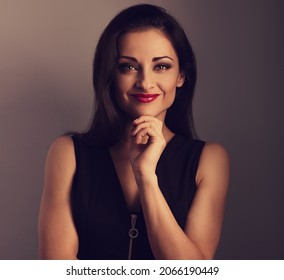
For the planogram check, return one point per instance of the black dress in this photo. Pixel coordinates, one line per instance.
(99, 210)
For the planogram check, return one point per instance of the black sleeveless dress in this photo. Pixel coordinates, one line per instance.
(99, 210)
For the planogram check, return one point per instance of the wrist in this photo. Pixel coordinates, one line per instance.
(145, 177)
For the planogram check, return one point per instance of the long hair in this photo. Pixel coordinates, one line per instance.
(109, 121)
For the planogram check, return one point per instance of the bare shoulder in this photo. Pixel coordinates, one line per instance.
(62, 145)
(213, 163)
(57, 234)
(60, 162)
(214, 151)
(205, 216)
(61, 150)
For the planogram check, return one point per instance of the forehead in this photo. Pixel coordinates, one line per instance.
(145, 42)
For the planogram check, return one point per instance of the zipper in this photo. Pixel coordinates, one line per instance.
(133, 233)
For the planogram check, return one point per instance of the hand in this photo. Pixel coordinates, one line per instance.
(147, 144)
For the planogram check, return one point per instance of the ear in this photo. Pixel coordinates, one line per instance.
(181, 79)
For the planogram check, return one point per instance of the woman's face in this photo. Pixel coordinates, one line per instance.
(147, 74)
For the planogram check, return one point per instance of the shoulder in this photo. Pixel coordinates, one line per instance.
(61, 155)
(57, 234)
(215, 151)
(213, 163)
(62, 142)
(62, 146)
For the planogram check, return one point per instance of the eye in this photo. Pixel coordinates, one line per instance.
(162, 67)
(126, 67)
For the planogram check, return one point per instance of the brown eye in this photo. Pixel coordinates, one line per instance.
(126, 67)
(162, 67)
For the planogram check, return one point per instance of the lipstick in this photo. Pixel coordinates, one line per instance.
(145, 97)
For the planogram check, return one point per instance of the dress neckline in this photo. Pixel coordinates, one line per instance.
(170, 143)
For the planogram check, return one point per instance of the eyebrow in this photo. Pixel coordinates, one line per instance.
(154, 58)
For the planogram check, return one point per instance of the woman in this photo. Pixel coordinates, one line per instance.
(137, 185)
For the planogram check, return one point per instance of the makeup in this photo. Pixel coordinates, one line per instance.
(145, 97)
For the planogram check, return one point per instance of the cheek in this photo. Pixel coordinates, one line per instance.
(122, 84)
(169, 85)
(170, 79)
(121, 88)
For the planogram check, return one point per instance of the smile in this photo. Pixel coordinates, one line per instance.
(145, 98)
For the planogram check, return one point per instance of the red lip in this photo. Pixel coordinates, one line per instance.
(145, 97)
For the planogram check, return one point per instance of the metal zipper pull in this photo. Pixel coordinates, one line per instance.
(133, 233)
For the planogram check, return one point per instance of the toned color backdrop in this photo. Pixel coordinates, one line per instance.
(46, 51)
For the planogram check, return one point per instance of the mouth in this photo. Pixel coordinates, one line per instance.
(145, 97)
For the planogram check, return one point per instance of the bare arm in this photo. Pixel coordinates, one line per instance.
(57, 234)
(204, 221)
(200, 238)
(205, 218)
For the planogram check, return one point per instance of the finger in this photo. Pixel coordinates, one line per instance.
(140, 127)
(143, 119)
(146, 128)
(143, 140)
(140, 139)
(143, 136)
(139, 120)
(152, 122)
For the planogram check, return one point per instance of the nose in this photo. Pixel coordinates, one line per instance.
(145, 81)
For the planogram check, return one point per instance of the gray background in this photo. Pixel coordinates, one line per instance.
(46, 50)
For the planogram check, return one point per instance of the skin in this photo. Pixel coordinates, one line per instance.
(141, 69)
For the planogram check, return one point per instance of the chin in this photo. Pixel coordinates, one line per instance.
(134, 112)
(150, 113)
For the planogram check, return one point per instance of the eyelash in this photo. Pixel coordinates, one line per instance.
(126, 67)
(163, 67)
